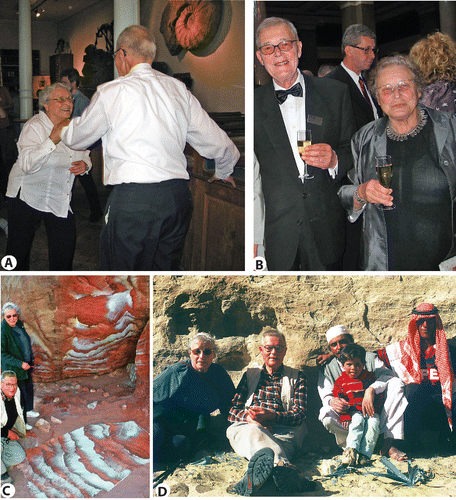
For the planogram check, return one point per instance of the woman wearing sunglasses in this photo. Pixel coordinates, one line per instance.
(185, 394)
(17, 356)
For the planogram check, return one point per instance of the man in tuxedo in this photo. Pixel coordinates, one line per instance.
(359, 49)
(304, 221)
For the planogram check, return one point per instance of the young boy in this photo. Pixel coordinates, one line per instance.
(355, 386)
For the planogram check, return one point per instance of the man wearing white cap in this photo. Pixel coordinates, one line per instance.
(392, 417)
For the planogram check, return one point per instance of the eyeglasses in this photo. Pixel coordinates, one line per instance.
(115, 53)
(277, 348)
(11, 316)
(269, 48)
(206, 352)
(61, 100)
(366, 50)
(388, 90)
(9, 385)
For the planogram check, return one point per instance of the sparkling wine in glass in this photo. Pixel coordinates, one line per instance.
(304, 139)
(384, 167)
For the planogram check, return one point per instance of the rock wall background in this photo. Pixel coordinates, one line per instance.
(375, 309)
(84, 325)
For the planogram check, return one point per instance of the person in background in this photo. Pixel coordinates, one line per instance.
(40, 184)
(426, 363)
(17, 355)
(435, 56)
(324, 69)
(145, 118)
(12, 417)
(71, 78)
(185, 394)
(417, 235)
(359, 49)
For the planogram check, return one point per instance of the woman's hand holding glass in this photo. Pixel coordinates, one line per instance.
(373, 192)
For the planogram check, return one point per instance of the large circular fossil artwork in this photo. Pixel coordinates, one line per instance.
(190, 24)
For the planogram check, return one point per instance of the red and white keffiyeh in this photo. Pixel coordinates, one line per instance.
(405, 355)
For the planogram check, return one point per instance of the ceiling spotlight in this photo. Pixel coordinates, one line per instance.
(37, 13)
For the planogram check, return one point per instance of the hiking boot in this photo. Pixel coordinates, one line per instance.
(363, 459)
(258, 470)
(288, 480)
(349, 457)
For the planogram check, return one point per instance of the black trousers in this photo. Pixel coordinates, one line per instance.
(60, 231)
(425, 410)
(145, 226)
(91, 192)
(26, 388)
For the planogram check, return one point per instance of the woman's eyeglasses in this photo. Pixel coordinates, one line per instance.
(206, 352)
(11, 316)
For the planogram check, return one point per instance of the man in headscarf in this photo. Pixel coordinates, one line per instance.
(426, 363)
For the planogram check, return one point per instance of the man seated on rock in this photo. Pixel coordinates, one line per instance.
(267, 420)
(426, 364)
(392, 416)
(185, 394)
(12, 417)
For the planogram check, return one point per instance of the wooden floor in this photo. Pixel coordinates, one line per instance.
(88, 236)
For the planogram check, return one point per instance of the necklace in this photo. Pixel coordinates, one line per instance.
(395, 136)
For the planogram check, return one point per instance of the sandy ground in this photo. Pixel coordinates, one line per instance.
(67, 401)
(217, 478)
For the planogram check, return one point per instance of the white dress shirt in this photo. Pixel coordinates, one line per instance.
(144, 120)
(294, 117)
(355, 77)
(42, 170)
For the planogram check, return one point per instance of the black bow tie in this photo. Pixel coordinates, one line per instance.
(282, 95)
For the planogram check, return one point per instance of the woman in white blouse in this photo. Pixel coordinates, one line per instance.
(40, 184)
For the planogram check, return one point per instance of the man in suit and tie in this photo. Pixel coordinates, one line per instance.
(304, 221)
(359, 48)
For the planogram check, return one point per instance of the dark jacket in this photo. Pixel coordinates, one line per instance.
(182, 394)
(287, 200)
(361, 109)
(12, 355)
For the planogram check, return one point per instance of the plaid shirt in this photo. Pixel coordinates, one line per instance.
(267, 395)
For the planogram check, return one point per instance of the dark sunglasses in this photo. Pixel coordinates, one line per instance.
(11, 316)
(206, 352)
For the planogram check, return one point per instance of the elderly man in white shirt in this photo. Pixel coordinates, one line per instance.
(144, 119)
(40, 184)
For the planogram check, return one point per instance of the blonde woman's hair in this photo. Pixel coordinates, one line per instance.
(435, 55)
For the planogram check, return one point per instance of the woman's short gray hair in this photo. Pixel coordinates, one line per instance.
(202, 337)
(9, 306)
(274, 21)
(396, 60)
(47, 91)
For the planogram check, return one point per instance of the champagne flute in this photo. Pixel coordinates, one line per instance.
(384, 167)
(304, 139)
